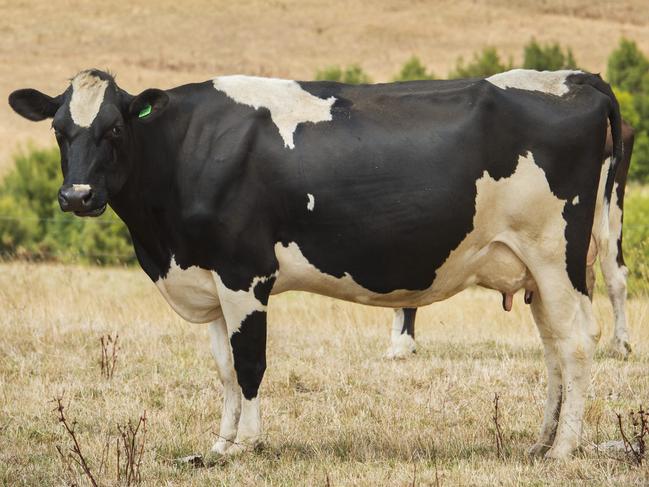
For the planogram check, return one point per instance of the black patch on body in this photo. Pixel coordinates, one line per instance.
(394, 174)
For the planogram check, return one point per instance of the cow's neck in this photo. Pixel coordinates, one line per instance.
(140, 205)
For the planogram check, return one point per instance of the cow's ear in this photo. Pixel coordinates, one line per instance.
(148, 105)
(34, 105)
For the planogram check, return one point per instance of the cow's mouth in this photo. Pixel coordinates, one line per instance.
(95, 212)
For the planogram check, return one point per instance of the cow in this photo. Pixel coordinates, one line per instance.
(609, 254)
(394, 195)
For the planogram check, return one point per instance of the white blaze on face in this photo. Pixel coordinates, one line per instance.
(87, 95)
(81, 187)
(288, 103)
(550, 82)
(575, 200)
(311, 203)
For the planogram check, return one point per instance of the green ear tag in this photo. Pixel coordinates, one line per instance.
(145, 111)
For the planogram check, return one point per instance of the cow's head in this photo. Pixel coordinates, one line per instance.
(93, 121)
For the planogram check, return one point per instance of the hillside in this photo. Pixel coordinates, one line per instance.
(164, 43)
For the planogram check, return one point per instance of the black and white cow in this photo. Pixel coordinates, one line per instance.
(392, 195)
(609, 254)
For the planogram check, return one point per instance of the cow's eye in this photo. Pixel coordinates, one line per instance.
(116, 131)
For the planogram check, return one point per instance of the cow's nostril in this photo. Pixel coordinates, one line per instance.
(63, 200)
(87, 197)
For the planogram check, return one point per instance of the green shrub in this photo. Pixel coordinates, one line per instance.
(628, 72)
(548, 57)
(352, 74)
(627, 67)
(19, 226)
(32, 225)
(412, 70)
(636, 237)
(484, 64)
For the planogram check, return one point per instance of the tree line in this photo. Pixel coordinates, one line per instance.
(627, 71)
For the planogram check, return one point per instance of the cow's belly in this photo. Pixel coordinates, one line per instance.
(494, 266)
(191, 293)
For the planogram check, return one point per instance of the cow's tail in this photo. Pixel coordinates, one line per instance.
(615, 121)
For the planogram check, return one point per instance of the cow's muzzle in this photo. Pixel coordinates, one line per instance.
(80, 199)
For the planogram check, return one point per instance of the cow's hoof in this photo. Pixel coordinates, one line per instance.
(621, 347)
(221, 446)
(402, 347)
(538, 450)
(243, 446)
(555, 453)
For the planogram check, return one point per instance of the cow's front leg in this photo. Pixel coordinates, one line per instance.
(245, 316)
(249, 351)
(222, 352)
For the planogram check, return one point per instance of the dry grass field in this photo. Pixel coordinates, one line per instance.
(333, 408)
(164, 43)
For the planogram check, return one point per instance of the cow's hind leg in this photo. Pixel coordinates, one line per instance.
(554, 388)
(570, 334)
(615, 275)
(222, 352)
(402, 342)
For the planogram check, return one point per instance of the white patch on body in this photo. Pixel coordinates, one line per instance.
(81, 187)
(518, 221)
(311, 203)
(575, 200)
(297, 273)
(87, 96)
(550, 82)
(237, 305)
(190, 292)
(288, 103)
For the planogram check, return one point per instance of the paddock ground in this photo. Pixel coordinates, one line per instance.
(333, 408)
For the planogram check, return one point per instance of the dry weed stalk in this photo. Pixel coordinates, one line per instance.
(133, 441)
(498, 432)
(75, 453)
(437, 484)
(636, 447)
(109, 350)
